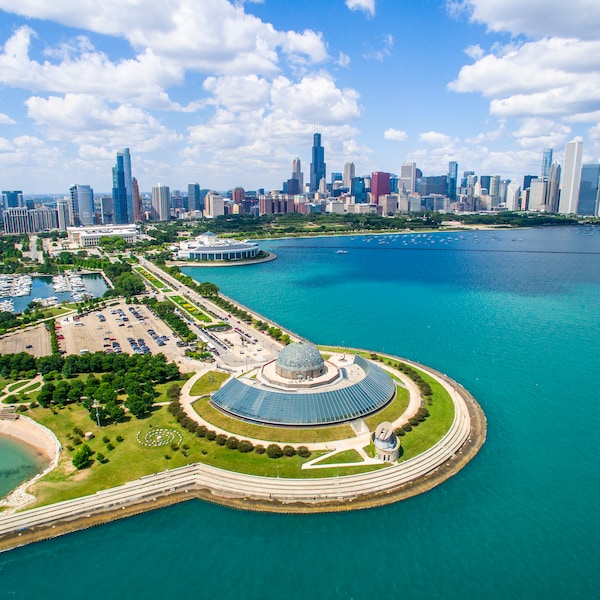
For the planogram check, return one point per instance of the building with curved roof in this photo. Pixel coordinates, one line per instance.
(339, 395)
(300, 361)
(209, 247)
(386, 443)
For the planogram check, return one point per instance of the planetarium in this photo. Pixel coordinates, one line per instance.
(302, 389)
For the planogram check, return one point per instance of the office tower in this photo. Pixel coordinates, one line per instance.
(358, 190)
(16, 220)
(336, 177)
(527, 181)
(82, 205)
(238, 195)
(465, 177)
(43, 219)
(569, 191)
(537, 195)
(291, 186)
(485, 182)
(322, 186)
(380, 185)
(119, 192)
(128, 182)
(12, 199)
(138, 213)
(348, 174)
(553, 187)
(408, 178)
(494, 189)
(436, 184)
(214, 205)
(546, 163)
(588, 190)
(106, 210)
(161, 203)
(394, 180)
(62, 207)
(317, 166)
(452, 180)
(297, 173)
(513, 195)
(194, 202)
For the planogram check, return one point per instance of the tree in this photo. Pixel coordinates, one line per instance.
(82, 457)
(274, 451)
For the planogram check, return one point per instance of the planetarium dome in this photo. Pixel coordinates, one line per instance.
(299, 361)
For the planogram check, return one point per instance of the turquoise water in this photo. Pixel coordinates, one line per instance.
(18, 462)
(514, 316)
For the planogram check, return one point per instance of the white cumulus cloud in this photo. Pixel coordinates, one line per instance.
(367, 6)
(397, 135)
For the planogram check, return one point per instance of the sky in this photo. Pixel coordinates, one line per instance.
(227, 93)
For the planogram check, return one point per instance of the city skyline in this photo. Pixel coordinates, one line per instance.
(486, 85)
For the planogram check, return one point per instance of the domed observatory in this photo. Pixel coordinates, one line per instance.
(300, 361)
(300, 388)
(386, 443)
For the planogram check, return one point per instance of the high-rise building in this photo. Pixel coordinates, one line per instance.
(569, 191)
(380, 185)
(553, 187)
(513, 195)
(435, 184)
(408, 178)
(452, 180)
(358, 190)
(82, 205)
(588, 190)
(194, 201)
(62, 208)
(138, 213)
(12, 199)
(297, 174)
(546, 163)
(161, 203)
(485, 182)
(238, 195)
(349, 173)
(107, 210)
(119, 192)
(537, 195)
(128, 182)
(494, 190)
(318, 167)
(527, 181)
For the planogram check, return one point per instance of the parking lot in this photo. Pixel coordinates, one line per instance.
(119, 329)
(33, 340)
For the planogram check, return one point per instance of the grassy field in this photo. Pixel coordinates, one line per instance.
(347, 456)
(390, 413)
(154, 281)
(441, 416)
(272, 434)
(209, 382)
(190, 308)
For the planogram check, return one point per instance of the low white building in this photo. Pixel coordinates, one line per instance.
(209, 247)
(86, 237)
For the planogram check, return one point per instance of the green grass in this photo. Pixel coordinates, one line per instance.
(271, 434)
(14, 387)
(209, 382)
(439, 421)
(162, 388)
(154, 281)
(392, 411)
(347, 456)
(190, 308)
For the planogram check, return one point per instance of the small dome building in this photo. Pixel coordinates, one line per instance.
(300, 361)
(386, 443)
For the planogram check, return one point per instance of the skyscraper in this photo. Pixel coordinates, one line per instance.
(81, 209)
(62, 208)
(408, 178)
(317, 166)
(123, 189)
(194, 201)
(297, 174)
(348, 174)
(569, 191)
(588, 190)
(161, 203)
(12, 198)
(553, 187)
(546, 163)
(380, 185)
(137, 200)
(452, 180)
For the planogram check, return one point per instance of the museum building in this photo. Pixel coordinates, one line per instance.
(209, 247)
(301, 389)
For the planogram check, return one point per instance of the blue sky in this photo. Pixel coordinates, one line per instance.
(227, 93)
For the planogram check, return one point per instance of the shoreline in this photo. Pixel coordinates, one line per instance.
(239, 500)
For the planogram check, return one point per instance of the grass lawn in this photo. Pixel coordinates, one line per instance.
(154, 281)
(271, 434)
(347, 456)
(439, 421)
(14, 387)
(190, 308)
(209, 382)
(162, 388)
(392, 411)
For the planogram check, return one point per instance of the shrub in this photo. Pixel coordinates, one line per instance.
(22, 408)
(33, 405)
(407, 427)
(289, 451)
(69, 447)
(245, 446)
(82, 457)
(274, 451)
(174, 446)
(303, 451)
(232, 443)
(201, 431)
(168, 456)
(78, 431)
(210, 435)
(109, 446)
(77, 441)
(106, 439)
(221, 439)
(100, 457)
(259, 449)
(119, 438)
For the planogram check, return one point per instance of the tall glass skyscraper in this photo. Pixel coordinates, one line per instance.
(588, 190)
(452, 179)
(569, 191)
(82, 205)
(317, 166)
(123, 189)
(546, 163)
